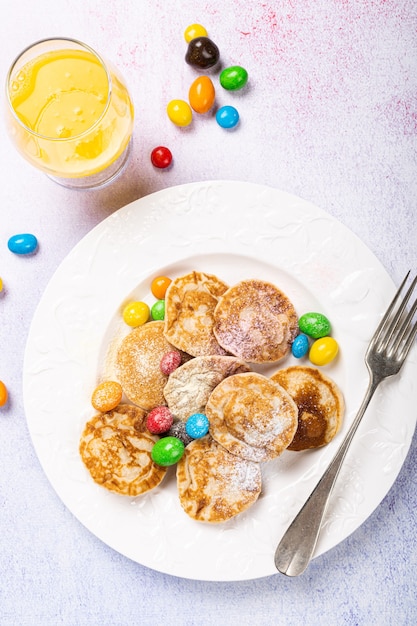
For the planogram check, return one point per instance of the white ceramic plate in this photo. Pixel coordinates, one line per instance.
(235, 230)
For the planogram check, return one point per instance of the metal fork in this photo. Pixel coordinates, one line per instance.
(384, 357)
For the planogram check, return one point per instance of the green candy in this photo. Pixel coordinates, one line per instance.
(158, 310)
(314, 325)
(167, 451)
(233, 78)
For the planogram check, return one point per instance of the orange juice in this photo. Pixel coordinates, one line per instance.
(71, 115)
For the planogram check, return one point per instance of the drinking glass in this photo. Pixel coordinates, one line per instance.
(69, 113)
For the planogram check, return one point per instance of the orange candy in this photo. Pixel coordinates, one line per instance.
(3, 393)
(159, 286)
(201, 94)
(106, 396)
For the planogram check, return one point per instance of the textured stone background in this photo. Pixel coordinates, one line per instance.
(330, 115)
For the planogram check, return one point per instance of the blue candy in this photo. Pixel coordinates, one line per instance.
(227, 117)
(22, 244)
(299, 346)
(197, 425)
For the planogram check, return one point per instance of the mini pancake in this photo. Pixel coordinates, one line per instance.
(116, 449)
(138, 365)
(252, 416)
(215, 485)
(255, 321)
(190, 385)
(320, 405)
(190, 301)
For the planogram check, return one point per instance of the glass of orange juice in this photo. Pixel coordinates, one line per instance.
(69, 113)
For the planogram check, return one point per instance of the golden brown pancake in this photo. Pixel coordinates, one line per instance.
(189, 304)
(215, 485)
(252, 416)
(116, 449)
(255, 321)
(138, 365)
(320, 405)
(189, 386)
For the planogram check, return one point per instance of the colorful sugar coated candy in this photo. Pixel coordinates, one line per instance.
(315, 325)
(202, 53)
(299, 347)
(178, 430)
(158, 310)
(159, 286)
(159, 420)
(23, 244)
(170, 361)
(233, 78)
(167, 451)
(136, 314)
(227, 117)
(202, 94)
(106, 396)
(1, 284)
(161, 157)
(323, 351)
(194, 30)
(179, 112)
(3, 393)
(197, 425)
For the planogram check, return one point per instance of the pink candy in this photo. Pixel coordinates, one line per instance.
(170, 361)
(159, 420)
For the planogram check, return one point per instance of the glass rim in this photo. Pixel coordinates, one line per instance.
(25, 126)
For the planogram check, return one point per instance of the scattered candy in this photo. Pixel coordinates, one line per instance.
(161, 157)
(1, 285)
(227, 117)
(158, 310)
(167, 451)
(315, 325)
(197, 425)
(202, 53)
(299, 346)
(179, 112)
(159, 420)
(136, 313)
(3, 393)
(194, 30)
(159, 286)
(323, 351)
(106, 396)
(23, 244)
(178, 430)
(233, 78)
(202, 94)
(170, 361)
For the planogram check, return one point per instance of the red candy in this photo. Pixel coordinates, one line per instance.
(161, 157)
(169, 362)
(159, 420)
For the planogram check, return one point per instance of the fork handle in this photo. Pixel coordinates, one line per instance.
(295, 550)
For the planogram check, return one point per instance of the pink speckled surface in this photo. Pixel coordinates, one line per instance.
(330, 115)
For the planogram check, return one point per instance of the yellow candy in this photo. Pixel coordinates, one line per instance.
(136, 313)
(179, 112)
(106, 396)
(1, 284)
(193, 31)
(323, 351)
(3, 393)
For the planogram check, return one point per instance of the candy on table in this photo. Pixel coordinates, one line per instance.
(178, 430)
(227, 117)
(107, 396)
(202, 53)
(315, 325)
(323, 351)
(202, 94)
(159, 420)
(233, 78)
(24, 243)
(167, 451)
(3, 394)
(197, 425)
(158, 310)
(136, 313)
(170, 362)
(299, 347)
(179, 112)
(161, 157)
(159, 286)
(194, 30)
